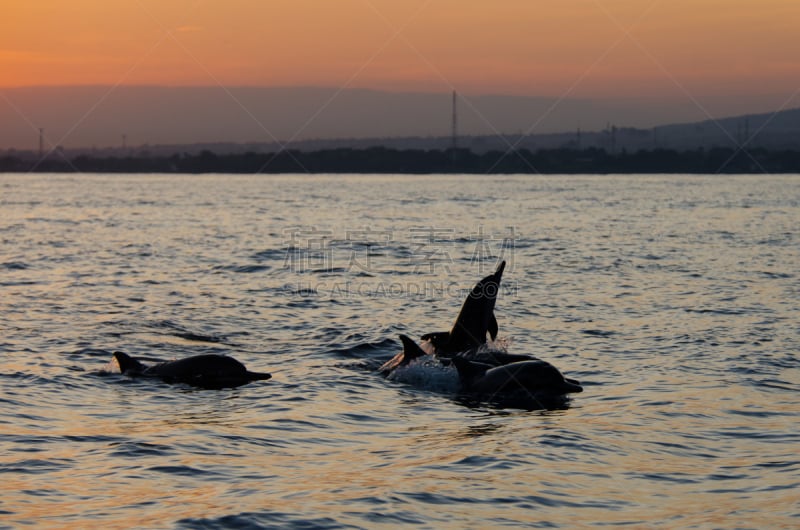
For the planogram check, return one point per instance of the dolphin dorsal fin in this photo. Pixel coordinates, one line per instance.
(411, 350)
(127, 363)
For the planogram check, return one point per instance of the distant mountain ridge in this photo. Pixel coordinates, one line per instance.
(240, 119)
(775, 130)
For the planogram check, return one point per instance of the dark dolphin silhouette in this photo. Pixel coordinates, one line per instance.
(204, 371)
(410, 352)
(536, 378)
(475, 320)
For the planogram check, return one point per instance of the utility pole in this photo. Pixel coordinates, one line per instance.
(613, 139)
(455, 122)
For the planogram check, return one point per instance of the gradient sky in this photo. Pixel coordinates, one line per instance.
(576, 48)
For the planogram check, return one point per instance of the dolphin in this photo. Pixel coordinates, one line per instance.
(204, 371)
(474, 321)
(535, 378)
(410, 352)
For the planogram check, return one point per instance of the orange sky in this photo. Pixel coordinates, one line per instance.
(530, 47)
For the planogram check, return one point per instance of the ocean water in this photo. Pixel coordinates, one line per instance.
(675, 300)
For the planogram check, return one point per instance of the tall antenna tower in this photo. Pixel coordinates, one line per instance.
(455, 123)
(41, 142)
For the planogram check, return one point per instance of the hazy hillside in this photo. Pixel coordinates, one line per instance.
(255, 118)
(779, 130)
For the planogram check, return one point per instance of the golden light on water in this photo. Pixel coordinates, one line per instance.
(681, 327)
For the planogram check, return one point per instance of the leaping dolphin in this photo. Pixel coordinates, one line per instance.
(538, 379)
(474, 321)
(204, 371)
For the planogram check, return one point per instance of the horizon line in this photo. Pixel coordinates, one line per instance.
(444, 91)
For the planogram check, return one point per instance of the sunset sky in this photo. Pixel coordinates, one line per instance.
(633, 62)
(524, 47)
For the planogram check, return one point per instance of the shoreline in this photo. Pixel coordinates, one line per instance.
(382, 160)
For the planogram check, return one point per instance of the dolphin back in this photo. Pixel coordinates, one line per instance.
(204, 371)
(536, 377)
(469, 371)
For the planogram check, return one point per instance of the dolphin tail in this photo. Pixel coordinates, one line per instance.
(127, 364)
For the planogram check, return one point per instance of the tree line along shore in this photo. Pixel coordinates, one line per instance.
(387, 160)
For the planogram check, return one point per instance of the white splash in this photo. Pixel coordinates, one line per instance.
(428, 373)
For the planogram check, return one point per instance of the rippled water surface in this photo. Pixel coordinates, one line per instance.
(674, 300)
